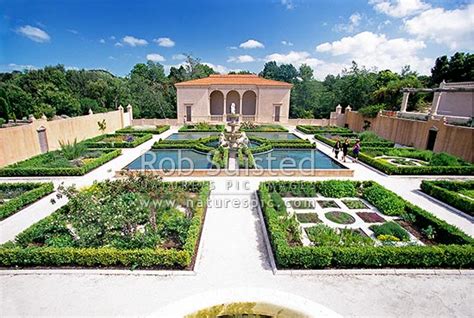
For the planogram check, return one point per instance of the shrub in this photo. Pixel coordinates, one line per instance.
(34, 191)
(443, 159)
(72, 150)
(337, 189)
(447, 191)
(130, 130)
(387, 202)
(98, 142)
(203, 127)
(262, 128)
(390, 228)
(278, 203)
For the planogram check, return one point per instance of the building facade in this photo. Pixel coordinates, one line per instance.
(256, 99)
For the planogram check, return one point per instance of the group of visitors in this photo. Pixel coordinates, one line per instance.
(344, 146)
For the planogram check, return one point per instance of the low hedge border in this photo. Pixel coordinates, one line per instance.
(218, 128)
(112, 257)
(269, 144)
(331, 142)
(96, 141)
(197, 144)
(35, 192)
(265, 128)
(13, 171)
(310, 129)
(445, 192)
(129, 130)
(453, 255)
(245, 158)
(413, 170)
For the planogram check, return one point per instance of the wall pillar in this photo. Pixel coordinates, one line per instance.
(120, 109)
(403, 107)
(130, 113)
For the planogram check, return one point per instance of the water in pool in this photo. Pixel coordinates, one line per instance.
(171, 159)
(295, 159)
(273, 135)
(215, 144)
(191, 135)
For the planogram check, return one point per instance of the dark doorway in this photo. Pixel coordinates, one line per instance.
(432, 133)
(277, 113)
(188, 113)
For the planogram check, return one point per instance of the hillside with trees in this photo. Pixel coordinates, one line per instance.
(54, 90)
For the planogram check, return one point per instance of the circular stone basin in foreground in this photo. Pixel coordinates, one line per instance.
(339, 217)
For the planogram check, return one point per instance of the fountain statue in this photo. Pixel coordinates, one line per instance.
(233, 138)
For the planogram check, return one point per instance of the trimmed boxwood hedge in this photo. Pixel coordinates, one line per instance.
(130, 130)
(446, 191)
(264, 128)
(391, 169)
(12, 256)
(456, 249)
(269, 144)
(97, 143)
(35, 192)
(13, 170)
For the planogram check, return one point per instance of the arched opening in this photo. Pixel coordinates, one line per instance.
(216, 105)
(249, 105)
(233, 97)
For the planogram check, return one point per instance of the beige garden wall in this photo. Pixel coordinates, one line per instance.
(22, 142)
(455, 140)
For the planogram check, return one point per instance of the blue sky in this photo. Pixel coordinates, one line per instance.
(233, 35)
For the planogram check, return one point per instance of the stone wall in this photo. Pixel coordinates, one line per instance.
(22, 142)
(455, 140)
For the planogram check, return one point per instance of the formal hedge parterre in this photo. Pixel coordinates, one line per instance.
(32, 192)
(368, 156)
(98, 142)
(18, 255)
(449, 193)
(311, 130)
(268, 144)
(29, 168)
(135, 131)
(454, 248)
(351, 137)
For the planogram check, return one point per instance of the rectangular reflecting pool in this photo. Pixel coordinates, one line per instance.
(273, 135)
(171, 159)
(191, 135)
(287, 159)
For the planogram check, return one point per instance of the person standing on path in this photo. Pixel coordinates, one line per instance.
(356, 151)
(345, 149)
(337, 148)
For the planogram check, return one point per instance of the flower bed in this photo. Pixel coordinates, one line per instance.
(335, 248)
(143, 130)
(56, 163)
(16, 196)
(458, 194)
(307, 218)
(437, 164)
(138, 222)
(370, 217)
(367, 139)
(121, 140)
(252, 127)
(339, 217)
(311, 130)
(203, 127)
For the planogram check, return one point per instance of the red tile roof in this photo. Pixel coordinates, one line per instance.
(247, 79)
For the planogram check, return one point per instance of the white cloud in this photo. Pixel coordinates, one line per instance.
(288, 4)
(72, 68)
(453, 28)
(251, 44)
(178, 57)
(232, 47)
(165, 42)
(118, 44)
(102, 41)
(21, 67)
(112, 58)
(351, 25)
(34, 33)
(133, 41)
(73, 31)
(376, 50)
(218, 68)
(295, 58)
(287, 43)
(399, 8)
(241, 59)
(112, 38)
(155, 57)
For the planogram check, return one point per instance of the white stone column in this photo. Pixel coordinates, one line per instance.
(338, 109)
(403, 107)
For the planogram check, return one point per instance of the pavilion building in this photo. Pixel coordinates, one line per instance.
(256, 99)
